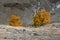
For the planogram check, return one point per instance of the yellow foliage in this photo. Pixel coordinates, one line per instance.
(15, 21)
(41, 18)
(46, 16)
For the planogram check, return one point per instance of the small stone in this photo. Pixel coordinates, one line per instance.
(24, 30)
(5, 37)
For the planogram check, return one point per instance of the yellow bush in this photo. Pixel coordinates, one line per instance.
(41, 18)
(15, 21)
(46, 16)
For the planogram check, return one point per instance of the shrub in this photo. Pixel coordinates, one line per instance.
(41, 18)
(46, 16)
(15, 21)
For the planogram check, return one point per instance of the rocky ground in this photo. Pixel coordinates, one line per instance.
(46, 32)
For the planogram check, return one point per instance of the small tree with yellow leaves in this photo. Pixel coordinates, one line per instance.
(15, 21)
(41, 18)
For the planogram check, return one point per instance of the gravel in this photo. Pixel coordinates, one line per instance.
(47, 32)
